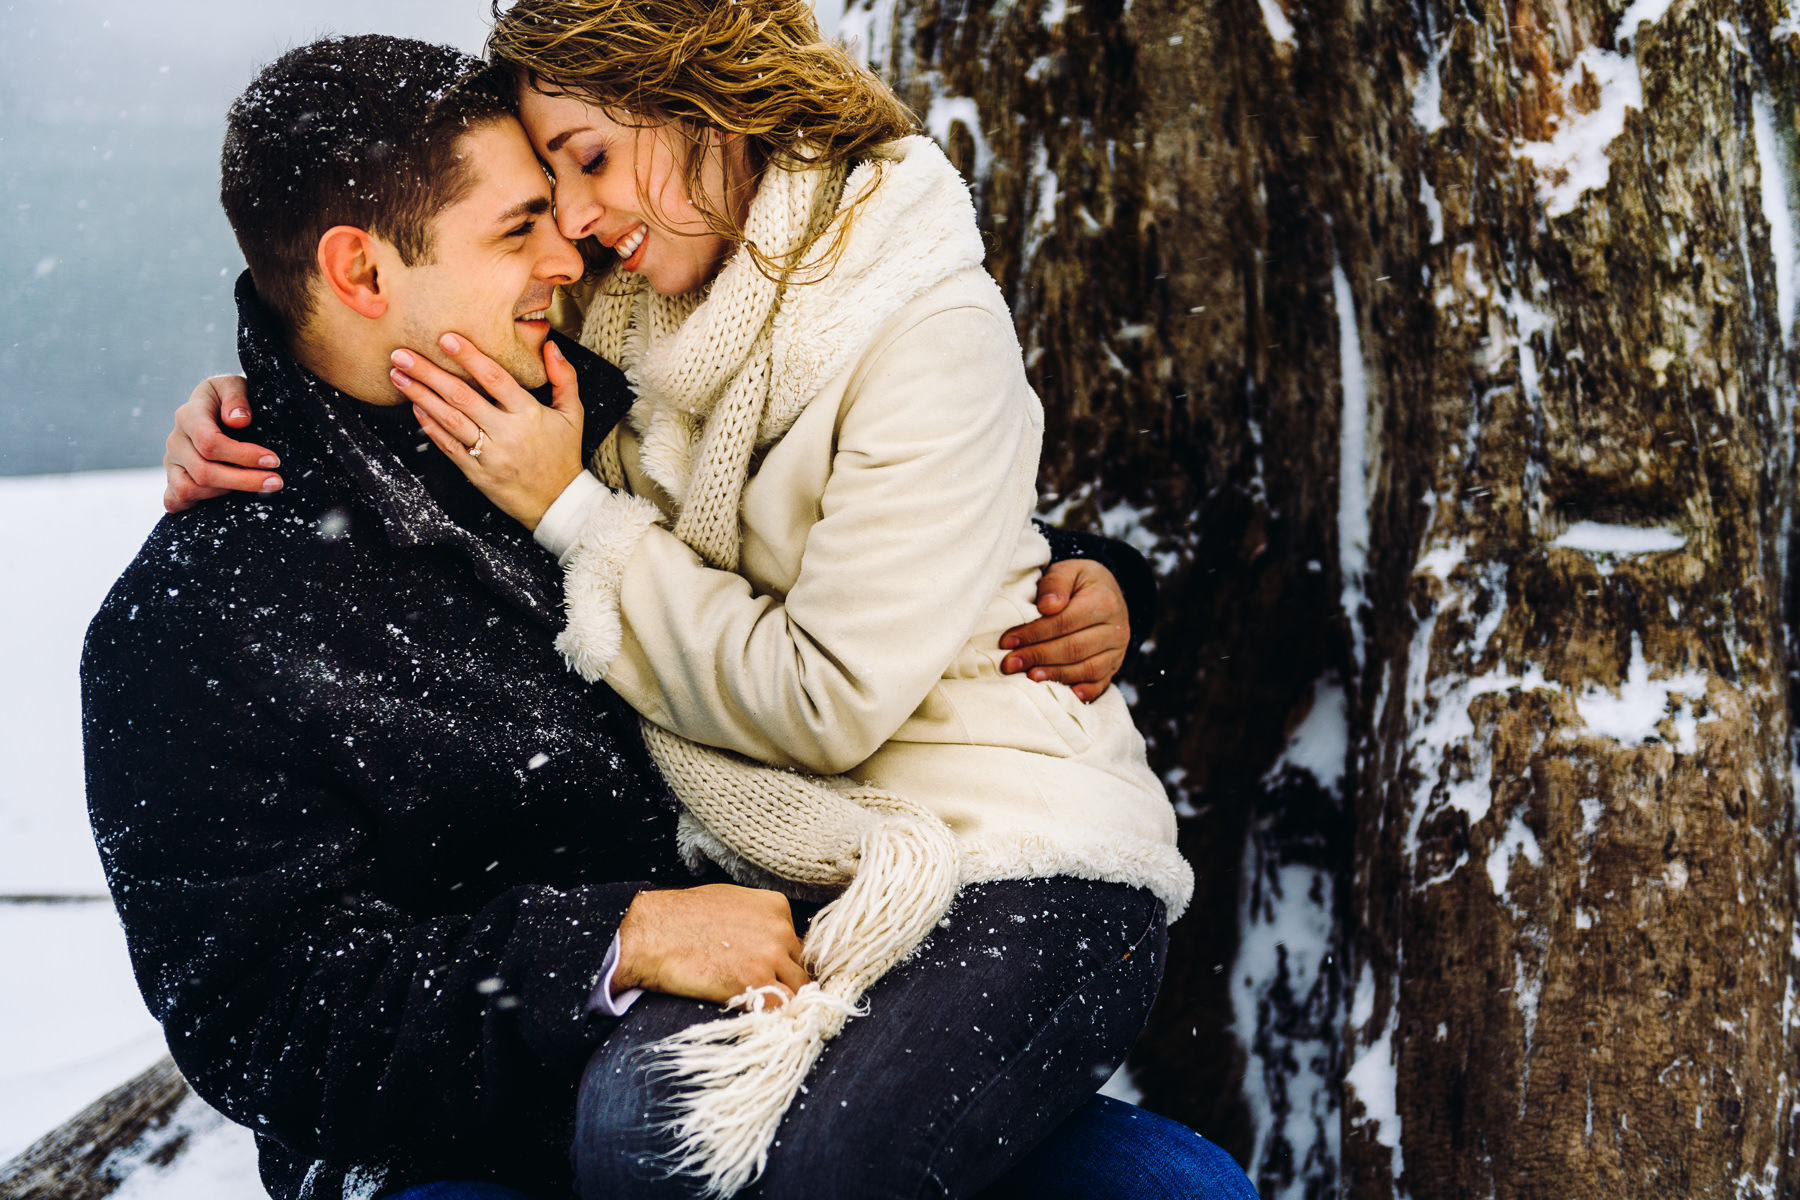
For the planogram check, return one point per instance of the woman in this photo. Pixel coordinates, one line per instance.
(797, 561)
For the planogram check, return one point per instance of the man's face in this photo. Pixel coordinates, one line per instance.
(498, 255)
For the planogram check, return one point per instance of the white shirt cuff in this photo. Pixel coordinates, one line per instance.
(563, 521)
(602, 999)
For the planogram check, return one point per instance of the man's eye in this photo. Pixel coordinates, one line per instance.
(523, 230)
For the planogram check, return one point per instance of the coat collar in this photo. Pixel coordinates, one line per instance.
(287, 392)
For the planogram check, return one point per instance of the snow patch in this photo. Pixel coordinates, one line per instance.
(1434, 211)
(1527, 319)
(1119, 1086)
(1045, 198)
(1353, 457)
(1285, 946)
(1428, 93)
(1639, 12)
(1280, 28)
(1631, 716)
(1518, 839)
(217, 1161)
(948, 111)
(1320, 745)
(1371, 1081)
(1362, 1008)
(1591, 811)
(1443, 561)
(1527, 991)
(1599, 538)
(1575, 160)
(1777, 192)
(1125, 521)
(866, 28)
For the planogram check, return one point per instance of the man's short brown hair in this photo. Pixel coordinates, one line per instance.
(356, 131)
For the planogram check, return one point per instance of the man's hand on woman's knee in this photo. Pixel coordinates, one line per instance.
(1081, 637)
(200, 461)
(709, 943)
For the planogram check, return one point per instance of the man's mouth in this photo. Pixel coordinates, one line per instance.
(542, 314)
(627, 247)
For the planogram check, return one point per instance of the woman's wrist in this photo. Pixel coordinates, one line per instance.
(558, 527)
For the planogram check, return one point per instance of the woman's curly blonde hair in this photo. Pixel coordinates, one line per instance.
(756, 68)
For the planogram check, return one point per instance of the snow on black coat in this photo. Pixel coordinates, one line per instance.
(369, 837)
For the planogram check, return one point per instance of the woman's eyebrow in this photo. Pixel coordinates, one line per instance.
(556, 143)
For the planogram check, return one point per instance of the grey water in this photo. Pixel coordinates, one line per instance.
(116, 265)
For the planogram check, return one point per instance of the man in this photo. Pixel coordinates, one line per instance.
(388, 870)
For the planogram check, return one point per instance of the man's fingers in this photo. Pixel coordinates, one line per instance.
(1044, 629)
(791, 975)
(1056, 585)
(1099, 669)
(1056, 650)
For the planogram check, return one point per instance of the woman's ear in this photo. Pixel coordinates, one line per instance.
(349, 264)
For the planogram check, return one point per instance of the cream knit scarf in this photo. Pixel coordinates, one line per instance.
(718, 378)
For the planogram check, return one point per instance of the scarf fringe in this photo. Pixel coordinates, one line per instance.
(739, 1074)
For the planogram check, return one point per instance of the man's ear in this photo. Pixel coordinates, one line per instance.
(349, 263)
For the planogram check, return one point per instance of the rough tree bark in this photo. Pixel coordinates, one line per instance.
(1439, 354)
(90, 1155)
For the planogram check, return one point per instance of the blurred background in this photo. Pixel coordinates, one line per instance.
(116, 261)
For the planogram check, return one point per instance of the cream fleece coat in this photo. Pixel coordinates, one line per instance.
(885, 544)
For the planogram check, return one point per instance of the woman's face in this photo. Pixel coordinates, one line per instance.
(621, 181)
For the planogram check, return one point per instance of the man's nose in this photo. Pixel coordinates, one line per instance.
(560, 261)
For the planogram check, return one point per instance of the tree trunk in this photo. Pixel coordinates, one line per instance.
(90, 1155)
(1439, 357)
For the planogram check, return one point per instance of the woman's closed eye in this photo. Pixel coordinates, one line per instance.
(594, 164)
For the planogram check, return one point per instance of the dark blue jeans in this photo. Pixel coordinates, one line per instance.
(1107, 1149)
(974, 1051)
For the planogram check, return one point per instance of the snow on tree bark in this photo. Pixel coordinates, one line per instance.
(1439, 356)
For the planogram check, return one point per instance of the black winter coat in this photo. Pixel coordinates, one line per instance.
(369, 837)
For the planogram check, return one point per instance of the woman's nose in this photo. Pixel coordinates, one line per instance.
(576, 215)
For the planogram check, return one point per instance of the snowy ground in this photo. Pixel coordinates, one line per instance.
(71, 1024)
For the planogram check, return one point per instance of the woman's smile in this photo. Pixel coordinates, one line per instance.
(628, 246)
(622, 179)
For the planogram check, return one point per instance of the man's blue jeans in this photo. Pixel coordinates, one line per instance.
(1108, 1149)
